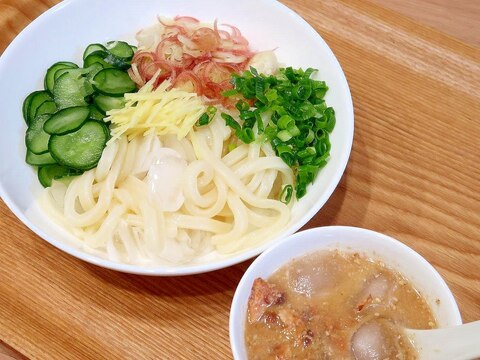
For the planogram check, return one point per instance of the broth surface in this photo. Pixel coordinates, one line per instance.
(333, 305)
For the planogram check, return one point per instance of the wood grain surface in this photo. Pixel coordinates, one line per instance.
(414, 174)
(459, 18)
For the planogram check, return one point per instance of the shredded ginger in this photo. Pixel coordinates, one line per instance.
(164, 110)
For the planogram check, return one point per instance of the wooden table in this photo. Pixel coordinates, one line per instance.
(414, 174)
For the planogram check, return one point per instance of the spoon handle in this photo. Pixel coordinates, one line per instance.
(453, 343)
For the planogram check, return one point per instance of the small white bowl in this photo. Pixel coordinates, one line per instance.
(377, 246)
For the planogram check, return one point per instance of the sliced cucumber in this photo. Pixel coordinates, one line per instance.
(36, 138)
(70, 90)
(48, 107)
(59, 73)
(117, 62)
(52, 70)
(93, 70)
(93, 48)
(88, 88)
(39, 160)
(97, 57)
(46, 174)
(106, 60)
(66, 129)
(120, 49)
(66, 120)
(106, 103)
(95, 113)
(26, 105)
(77, 72)
(80, 149)
(38, 98)
(113, 82)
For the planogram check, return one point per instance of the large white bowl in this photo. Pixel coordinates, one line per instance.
(65, 30)
(372, 244)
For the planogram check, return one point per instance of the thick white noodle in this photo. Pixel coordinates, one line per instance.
(230, 198)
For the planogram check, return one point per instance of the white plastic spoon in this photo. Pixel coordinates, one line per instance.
(453, 343)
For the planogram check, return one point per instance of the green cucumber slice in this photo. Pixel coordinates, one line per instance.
(97, 57)
(106, 103)
(93, 48)
(37, 99)
(26, 105)
(66, 120)
(80, 149)
(77, 72)
(59, 73)
(93, 70)
(36, 138)
(48, 107)
(70, 90)
(95, 113)
(117, 62)
(120, 49)
(46, 174)
(52, 70)
(39, 160)
(113, 82)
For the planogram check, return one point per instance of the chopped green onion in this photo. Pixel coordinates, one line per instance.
(290, 112)
(286, 194)
(260, 90)
(242, 105)
(320, 107)
(258, 118)
(203, 120)
(319, 93)
(294, 131)
(284, 135)
(271, 95)
(299, 143)
(207, 116)
(307, 152)
(286, 154)
(245, 115)
(308, 73)
(211, 110)
(270, 133)
(228, 93)
(246, 135)
(320, 124)
(310, 136)
(230, 121)
(290, 74)
(304, 89)
(301, 190)
(285, 122)
(330, 115)
(253, 71)
(249, 122)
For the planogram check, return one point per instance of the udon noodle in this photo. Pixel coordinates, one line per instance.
(160, 200)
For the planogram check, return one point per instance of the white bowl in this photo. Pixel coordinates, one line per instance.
(65, 30)
(377, 246)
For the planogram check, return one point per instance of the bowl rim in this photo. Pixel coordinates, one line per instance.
(163, 270)
(238, 308)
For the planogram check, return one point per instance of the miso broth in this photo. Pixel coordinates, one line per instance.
(334, 305)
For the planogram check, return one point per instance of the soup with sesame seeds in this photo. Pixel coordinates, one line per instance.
(334, 305)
